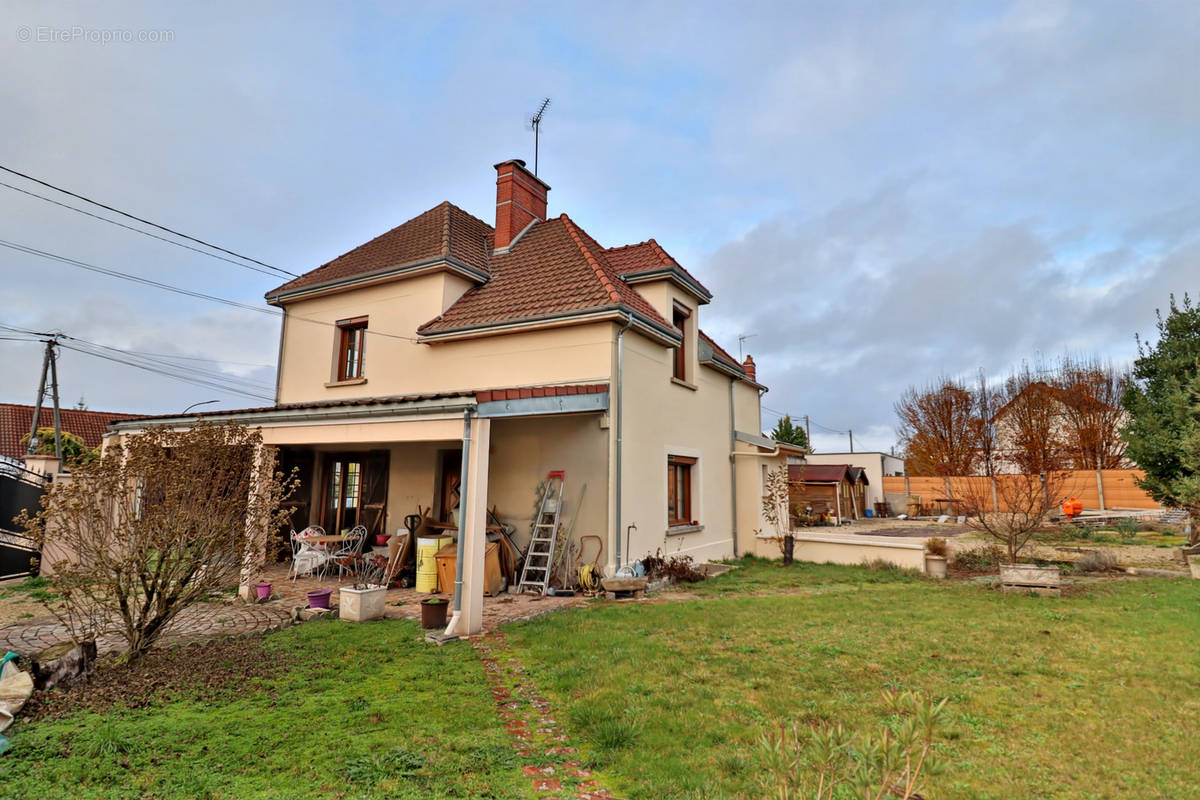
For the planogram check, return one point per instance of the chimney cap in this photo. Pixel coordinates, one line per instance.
(520, 164)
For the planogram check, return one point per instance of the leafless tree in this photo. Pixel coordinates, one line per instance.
(1091, 392)
(158, 523)
(939, 429)
(1010, 508)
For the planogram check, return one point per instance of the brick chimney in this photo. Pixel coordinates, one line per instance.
(748, 365)
(520, 199)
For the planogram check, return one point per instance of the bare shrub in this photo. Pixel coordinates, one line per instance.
(158, 523)
(1096, 561)
(1025, 502)
(977, 559)
(937, 546)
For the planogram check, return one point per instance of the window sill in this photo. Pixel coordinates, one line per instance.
(684, 384)
(351, 382)
(679, 530)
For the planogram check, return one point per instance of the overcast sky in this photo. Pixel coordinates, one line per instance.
(877, 193)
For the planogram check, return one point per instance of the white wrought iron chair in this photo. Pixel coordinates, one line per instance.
(348, 557)
(307, 557)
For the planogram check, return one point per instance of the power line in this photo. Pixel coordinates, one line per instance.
(138, 230)
(215, 380)
(21, 248)
(144, 221)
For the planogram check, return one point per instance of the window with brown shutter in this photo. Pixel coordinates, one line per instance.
(352, 334)
(679, 490)
(679, 318)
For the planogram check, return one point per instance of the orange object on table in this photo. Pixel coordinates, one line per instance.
(1072, 507)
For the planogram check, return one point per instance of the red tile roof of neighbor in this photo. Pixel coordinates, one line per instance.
(480, 396)
(445, 231)
(15, 420)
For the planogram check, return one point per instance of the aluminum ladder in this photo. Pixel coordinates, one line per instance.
(539, 558)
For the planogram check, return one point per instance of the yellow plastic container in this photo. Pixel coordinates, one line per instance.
(427, 548)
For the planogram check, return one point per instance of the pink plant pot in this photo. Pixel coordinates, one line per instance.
(319, 598)
(263, 589)
(381, 539)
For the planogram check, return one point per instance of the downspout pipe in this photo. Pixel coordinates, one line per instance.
(733, 469)
(620, 416)
(462, 518)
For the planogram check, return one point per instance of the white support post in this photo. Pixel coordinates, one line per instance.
(474, 528)
(254, 560)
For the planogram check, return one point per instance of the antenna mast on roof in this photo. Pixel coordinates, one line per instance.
(535, 122)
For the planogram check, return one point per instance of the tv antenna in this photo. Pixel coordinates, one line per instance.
(742, 340)
(535, 122)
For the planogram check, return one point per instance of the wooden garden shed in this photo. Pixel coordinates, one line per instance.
(836, 490)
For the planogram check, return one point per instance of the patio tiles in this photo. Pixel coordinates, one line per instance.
(406, 603)
(554, 770)
(200, 621)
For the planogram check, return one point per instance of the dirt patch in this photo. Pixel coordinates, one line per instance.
(945, 531)
(203, 671)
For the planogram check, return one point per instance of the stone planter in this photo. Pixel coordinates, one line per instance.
(1193, 562)
(1030, 578)
(360, 605)
(935, 566)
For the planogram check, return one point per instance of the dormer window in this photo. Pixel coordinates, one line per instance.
(679, 317)
(352, 334)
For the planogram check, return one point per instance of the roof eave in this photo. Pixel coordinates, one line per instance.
(673, 274)
(407, 270)
(669, 338)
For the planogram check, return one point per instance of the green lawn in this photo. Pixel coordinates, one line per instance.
(1092, 695)
(362, 711)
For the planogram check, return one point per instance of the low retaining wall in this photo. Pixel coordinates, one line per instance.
(853, 549)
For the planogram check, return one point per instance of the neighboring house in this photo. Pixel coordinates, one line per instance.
(876, 465)
(16, 420)
(1046, 426)
(538, 349)
(836, 490)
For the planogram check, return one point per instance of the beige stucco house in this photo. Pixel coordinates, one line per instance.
(533, 348)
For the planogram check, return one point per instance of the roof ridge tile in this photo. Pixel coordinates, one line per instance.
(605, 280)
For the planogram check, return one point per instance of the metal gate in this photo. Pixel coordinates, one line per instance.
(20, 490)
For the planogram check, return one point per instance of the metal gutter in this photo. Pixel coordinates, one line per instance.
(670, 273)
(383, 273)
(669, 337)
(733, 469)
(562, 404)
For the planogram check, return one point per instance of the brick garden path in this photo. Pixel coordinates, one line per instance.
(201, 621)
(554, 768)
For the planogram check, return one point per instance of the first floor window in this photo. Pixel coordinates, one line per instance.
(679, 490)
(352, 334)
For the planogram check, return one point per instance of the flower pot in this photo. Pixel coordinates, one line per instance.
(319, 598)
(360, 605)
(381, 539)
(935, 566)
(433, 613)
(1194, 565)
(263, 589)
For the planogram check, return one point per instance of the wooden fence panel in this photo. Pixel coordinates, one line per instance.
(1120, 488)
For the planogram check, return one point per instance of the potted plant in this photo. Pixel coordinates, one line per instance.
(433, 613)
(361, 602)
(936, 550)
(263, 589)
(319, 598)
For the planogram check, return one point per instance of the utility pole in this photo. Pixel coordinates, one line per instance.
(851, 441)
(807, 431)
(49, 364)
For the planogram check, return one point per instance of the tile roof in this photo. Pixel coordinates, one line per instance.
(648, 256)
(556, 267)
(720, 352)
(479, 395)
(443, 231)
(15, 420)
